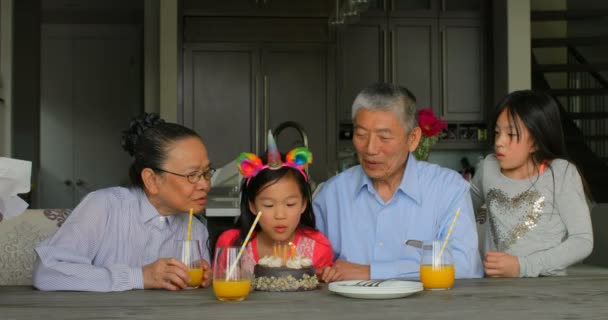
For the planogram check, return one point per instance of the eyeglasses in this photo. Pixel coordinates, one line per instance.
(194, 177)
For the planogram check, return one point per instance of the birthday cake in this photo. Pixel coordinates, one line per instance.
(279, 274)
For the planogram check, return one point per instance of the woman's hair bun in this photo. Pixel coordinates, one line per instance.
(136, 129)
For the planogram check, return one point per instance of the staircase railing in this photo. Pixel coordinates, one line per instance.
(590, 111)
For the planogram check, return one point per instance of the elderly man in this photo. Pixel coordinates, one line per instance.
(369, 211)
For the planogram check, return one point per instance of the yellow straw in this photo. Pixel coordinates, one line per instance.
(255, 222)
(189, 233)
(188, 237)
(447, 236)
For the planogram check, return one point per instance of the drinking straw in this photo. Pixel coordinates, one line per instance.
(189, 233)
(188, 237)
(447, 236)
(255, 222)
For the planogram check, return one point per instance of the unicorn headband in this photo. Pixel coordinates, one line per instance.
(250, 164)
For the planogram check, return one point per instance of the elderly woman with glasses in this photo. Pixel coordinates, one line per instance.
(119, 238)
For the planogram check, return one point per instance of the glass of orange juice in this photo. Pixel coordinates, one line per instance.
(231, 279)
(436, 268)
(190, 253)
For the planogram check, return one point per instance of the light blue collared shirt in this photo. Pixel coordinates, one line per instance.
(366, 230)
(105, 242)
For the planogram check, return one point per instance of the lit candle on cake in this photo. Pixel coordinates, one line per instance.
(293, 250)
(284, 254)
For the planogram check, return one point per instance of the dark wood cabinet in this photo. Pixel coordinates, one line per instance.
(462, 70)
(362, 60)
(440, 60)
(235, 92)
(414, 56)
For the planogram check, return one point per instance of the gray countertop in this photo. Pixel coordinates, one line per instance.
(581, 295)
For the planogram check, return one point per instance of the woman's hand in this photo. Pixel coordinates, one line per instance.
(329, 274)
(207, 274)
(501, 265)
(167, 273)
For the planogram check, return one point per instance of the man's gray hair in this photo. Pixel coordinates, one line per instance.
(388, 97)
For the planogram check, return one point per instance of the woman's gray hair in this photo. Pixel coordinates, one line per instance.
(388, 97)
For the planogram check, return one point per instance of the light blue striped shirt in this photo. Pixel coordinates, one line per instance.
(366, 230)
(105, 242)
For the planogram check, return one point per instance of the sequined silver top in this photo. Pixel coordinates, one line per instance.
(544, 220)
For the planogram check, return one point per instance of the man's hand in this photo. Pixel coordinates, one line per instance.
(501, 265)
(167, 273)
(351, 271)
(207, 274)
(329, 274)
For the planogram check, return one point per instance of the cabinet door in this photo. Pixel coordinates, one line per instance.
(414, 56)
(220, 97)
(106, 97)
(462, 63)
(298, 86)
(363, 50)
(90, 89)
(56, 119)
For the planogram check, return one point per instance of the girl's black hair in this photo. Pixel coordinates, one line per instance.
(540, 114)
(261, 181)
(147, 140)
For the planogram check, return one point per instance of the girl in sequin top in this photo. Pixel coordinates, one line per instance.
(538, 218)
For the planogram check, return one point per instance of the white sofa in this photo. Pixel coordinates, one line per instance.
(19, 236)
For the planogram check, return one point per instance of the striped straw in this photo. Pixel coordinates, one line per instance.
(255, 222)
(447, 236)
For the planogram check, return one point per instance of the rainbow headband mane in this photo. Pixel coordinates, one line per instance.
(250, 164)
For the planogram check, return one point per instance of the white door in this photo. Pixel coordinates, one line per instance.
(90, 89)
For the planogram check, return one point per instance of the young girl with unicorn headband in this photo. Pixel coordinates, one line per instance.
(282, 192)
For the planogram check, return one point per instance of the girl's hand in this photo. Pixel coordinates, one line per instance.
(329, 274)
(207, 274)
(501, 265)
(167, 273)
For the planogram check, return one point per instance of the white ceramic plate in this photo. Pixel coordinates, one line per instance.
(387, 290)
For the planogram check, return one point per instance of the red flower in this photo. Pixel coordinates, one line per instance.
(429, 123)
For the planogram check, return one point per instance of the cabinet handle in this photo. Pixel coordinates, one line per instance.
(68, 182)
(444, 92)
(80, 182)
(265, 110)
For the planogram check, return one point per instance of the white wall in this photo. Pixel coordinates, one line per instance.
(6, 56)
(518, 45)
